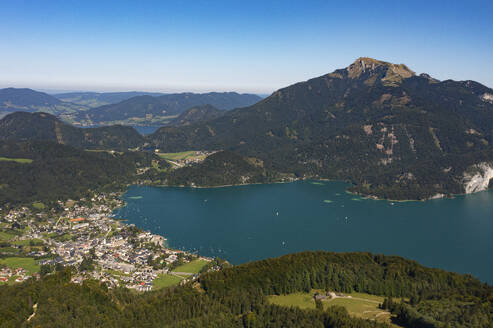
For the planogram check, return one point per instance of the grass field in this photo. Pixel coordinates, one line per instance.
(165, 280)
(27, 242)
(17, 160)
(181, 155)
(359, 305)
(39, 205)
(5, 236)
(21, 262)
(9, 250)
(301, 300)
(192, 267)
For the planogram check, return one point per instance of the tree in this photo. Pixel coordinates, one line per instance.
(45, 269)
(87, 264)
(319, 305)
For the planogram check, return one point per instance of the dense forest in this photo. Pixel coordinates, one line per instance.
(220, 169)
(236, 296)
(197, 114)
(28, 100)
(42, 126)
(44, 171)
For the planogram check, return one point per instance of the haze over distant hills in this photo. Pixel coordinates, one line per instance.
(96, 99)
(128, 108)
(13, 99)
(158, 110)
(390, 132)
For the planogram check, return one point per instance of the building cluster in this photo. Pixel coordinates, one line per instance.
(18, 274)
(113, 252)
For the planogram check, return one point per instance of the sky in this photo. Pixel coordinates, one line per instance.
(244, 46)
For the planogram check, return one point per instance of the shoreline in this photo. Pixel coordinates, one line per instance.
(365, 196)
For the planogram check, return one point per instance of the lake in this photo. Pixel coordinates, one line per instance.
(145, 130)
(247, 223)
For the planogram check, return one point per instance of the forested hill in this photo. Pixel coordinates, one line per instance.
(42, 126)
(236, 297)
(44, 171)
(222, 168)
(197, 114)
(96, 99)
(28, 100)
(391, 132)
(147, 109)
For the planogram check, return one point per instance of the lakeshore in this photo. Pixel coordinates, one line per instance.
(85, 236)
(252, 222)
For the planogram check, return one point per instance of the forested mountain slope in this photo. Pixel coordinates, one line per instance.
(28, 100)
(391, 132)
(197, 114)
(42, 126)
(96, 99)
(236, 297)
(147, 109)
(44, 171)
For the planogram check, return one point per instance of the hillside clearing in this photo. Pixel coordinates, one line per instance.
(358, 304)
(192, 267)
(17, 160)
(165, 280)
(26, 263)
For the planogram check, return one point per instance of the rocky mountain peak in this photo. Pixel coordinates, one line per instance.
(392, 73)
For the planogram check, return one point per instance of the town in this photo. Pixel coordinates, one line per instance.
(84, 236)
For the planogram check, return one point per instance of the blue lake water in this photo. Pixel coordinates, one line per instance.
(247, 223)
(145, 130)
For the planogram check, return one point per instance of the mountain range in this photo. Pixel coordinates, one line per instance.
(149, 110)
(97, 99)
(28, 100)
(389, 132)
(46, 127)
(130, 108)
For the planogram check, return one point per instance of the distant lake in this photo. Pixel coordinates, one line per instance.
(248, 223)
(145, 130)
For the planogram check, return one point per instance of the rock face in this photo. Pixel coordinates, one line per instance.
(487, 97)
(479, 179)
(389, 73)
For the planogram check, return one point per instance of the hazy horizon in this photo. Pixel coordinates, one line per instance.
(254, 47)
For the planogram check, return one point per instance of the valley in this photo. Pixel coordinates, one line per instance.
(86, 209)
(246, 164)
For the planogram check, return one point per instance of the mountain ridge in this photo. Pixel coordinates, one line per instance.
(152, 110)
(28, 100)
(197, 114)
(369, 123)
(44, 126)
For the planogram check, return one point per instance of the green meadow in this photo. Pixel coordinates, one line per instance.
(165, 280)
(192, 267)
(359, 305)
(21, 262)
(17, 160)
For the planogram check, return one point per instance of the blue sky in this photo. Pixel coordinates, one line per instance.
(245, 46)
